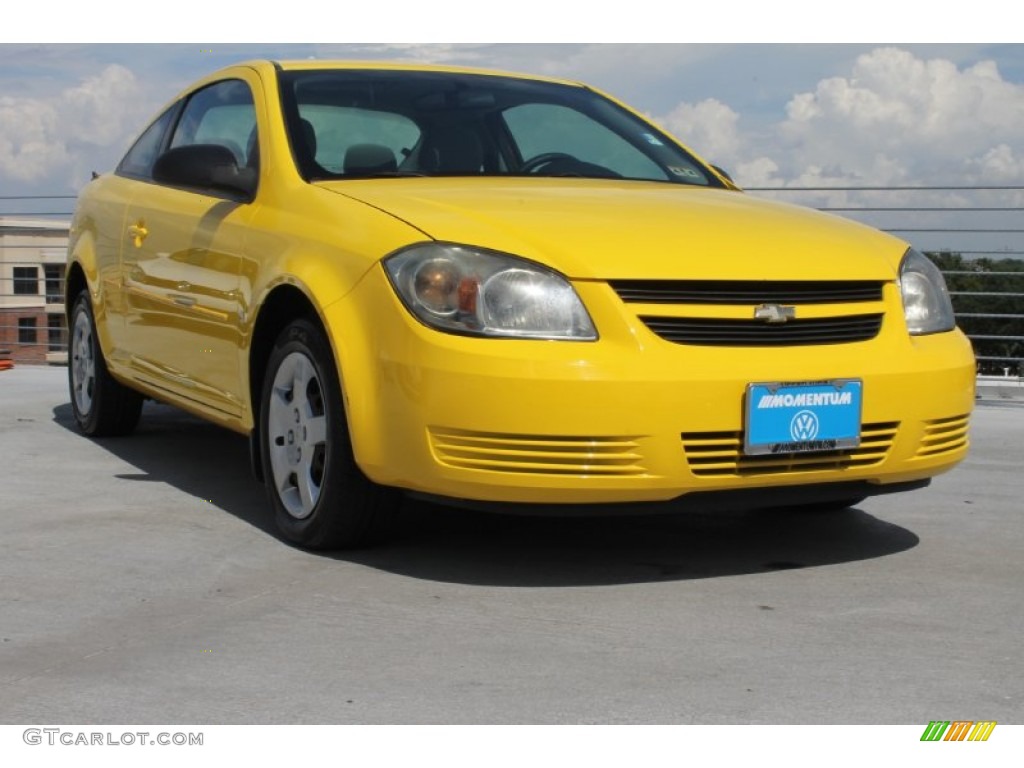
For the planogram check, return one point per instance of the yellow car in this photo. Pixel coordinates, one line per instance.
(504, 291)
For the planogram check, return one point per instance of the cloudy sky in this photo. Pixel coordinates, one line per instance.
(774, 115)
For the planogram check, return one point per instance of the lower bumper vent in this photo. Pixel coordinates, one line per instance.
(538, 454)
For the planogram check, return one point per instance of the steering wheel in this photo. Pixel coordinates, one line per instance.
(545, 158)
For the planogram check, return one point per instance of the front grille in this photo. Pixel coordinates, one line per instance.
(943, 436)
(751, 333)
(746, 291)
(538, 454)
(720, 454)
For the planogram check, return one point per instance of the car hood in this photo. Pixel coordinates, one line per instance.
(601, 229)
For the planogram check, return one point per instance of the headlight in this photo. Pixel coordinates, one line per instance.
(926, 303)
(461, 289)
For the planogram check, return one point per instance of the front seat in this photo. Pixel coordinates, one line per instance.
(306, 152)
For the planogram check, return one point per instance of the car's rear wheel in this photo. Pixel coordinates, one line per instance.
(101, 405)
(321, 499)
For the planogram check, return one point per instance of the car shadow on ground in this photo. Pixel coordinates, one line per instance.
(439, 543)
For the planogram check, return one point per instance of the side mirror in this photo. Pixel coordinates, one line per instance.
(723, 173)
(205, 167)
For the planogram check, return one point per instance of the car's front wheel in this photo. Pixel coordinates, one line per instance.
(321, 499)
(101, 405)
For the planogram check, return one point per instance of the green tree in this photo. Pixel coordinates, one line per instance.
(1005, 298)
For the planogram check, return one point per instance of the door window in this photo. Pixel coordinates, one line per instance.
(138, 162)
(222, 113)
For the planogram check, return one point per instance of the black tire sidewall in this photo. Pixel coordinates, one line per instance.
(115, 408)
(312, 531)
(87, 422)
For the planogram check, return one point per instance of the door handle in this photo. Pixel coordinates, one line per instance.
(138, 233)
(184, 301)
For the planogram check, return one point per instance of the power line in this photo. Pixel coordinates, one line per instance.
(985, 188)
(963, 209)
(979, 253)
(38, 197)
(964, 231)
(36, 213)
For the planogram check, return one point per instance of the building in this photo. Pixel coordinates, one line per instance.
(33, 328)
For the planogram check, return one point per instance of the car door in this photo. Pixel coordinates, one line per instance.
(182, 263)
(102, 212)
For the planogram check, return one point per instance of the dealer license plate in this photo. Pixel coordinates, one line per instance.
(802, 417)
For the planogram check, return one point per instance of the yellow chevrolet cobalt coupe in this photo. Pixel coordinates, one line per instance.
(502, 291)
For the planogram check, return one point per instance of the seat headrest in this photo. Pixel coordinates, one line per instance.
(369, 158)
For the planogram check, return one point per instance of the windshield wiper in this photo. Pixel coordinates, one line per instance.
(381, 174)
(366, 175)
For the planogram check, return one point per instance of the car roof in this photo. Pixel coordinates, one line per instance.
(292, 65)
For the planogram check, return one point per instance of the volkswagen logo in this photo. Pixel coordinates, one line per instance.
(804, 426)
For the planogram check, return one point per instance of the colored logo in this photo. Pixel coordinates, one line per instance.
(804, 426)
(958, 730)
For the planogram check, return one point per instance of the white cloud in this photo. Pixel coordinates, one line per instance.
(102, 107)
(1000, 165)
(762, 172)
(27, 150)
(893, 119)
(897, 118)
(42, 137)
(711, 129)
(708, 127)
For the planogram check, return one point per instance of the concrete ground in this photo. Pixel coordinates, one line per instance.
(140, 582)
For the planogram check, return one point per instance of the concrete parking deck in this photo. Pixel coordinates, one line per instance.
(140, 583)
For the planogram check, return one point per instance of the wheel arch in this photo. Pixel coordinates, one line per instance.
(82, 271)
(74, 283)
(284, 304)
(81, 276)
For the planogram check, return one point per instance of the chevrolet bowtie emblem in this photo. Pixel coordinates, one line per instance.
(774, 313)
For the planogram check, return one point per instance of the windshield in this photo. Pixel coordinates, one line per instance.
(360, 123)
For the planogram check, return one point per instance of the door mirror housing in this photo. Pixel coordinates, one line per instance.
(206, 168)
(723, 173)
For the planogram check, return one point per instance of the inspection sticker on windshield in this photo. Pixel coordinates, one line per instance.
(686, 173)
(802, 417)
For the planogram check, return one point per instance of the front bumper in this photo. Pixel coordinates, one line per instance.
(630, 417)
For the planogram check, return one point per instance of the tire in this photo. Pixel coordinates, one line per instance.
(102, 406)
(320, 497)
